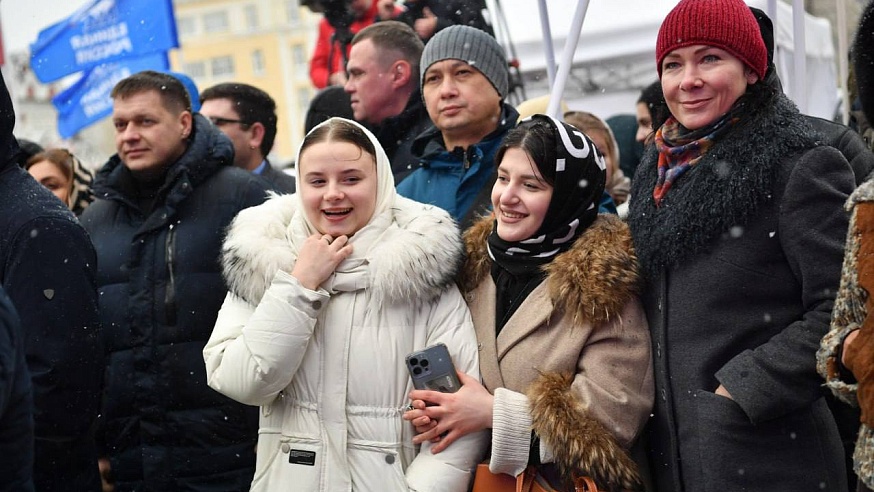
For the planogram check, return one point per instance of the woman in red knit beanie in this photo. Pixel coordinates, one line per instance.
(738, 225)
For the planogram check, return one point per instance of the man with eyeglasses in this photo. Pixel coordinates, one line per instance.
(247, 115)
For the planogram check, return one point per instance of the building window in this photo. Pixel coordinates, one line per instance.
(303, 99)
(222, 66)
(185, 26)
(301, 63)
(215, 22)
(258, 62)
(196, 70)
(292, 8)
(250, 12)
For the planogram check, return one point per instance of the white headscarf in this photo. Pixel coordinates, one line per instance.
(301, 226)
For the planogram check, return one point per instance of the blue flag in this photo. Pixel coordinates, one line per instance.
(88, 100)
(103, 31)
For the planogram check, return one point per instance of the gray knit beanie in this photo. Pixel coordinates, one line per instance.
(471, 45)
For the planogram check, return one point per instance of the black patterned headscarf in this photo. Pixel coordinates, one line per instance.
(80, 192)
(577, 173)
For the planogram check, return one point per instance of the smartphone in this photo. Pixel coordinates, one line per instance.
(432, 369)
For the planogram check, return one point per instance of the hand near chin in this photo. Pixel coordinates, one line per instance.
(318, 258)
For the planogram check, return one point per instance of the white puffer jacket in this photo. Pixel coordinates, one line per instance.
(327, 367)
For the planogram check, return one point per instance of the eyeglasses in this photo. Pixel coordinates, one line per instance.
(219, 122)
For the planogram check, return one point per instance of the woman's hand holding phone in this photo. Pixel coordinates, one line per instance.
(450, 415)
(318, 258)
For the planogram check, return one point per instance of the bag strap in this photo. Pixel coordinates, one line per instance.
(525, 480)
(584, 484)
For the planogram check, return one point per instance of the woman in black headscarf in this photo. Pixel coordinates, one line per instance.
(64, 175)
(551, 288)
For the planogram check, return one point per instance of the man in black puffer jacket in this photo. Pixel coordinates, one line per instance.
(47, 267)
(162, 206)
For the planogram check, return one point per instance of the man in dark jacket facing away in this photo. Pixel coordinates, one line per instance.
(383, 87)
(47, 267)
(16, 404)
(163, 203)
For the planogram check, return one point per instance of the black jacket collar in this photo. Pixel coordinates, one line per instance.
(430, 142)
(208, 150)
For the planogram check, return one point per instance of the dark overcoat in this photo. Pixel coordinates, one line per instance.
(47, 267)
(16, 404)
(742, 261)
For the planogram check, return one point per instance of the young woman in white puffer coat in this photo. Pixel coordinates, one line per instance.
(329, 290)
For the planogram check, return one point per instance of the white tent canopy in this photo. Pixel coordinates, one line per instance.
(615, 56)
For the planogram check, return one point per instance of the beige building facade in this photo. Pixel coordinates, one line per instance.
(264, 43)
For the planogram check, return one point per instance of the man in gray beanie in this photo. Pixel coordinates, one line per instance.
(464, 79)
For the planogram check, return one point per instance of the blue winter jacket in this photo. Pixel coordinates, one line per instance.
(160, 288)
(452, 179)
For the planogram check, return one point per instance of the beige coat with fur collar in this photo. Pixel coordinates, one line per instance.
(573, 363)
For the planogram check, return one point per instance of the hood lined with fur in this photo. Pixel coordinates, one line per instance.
(593, 280)
(417, 259)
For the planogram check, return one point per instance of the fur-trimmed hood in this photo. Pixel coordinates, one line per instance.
(579, 443)
(723, 191)
(415, 258)
(594, 279)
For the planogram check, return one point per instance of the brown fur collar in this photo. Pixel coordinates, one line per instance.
(593, 280)
(578, 442)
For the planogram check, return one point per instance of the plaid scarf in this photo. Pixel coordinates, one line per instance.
(680, 149)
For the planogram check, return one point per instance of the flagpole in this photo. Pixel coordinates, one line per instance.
(547, 42)
(843, 69)
(799, 86)
(564, 70)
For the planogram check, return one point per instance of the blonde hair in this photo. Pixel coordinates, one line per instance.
(588, 122)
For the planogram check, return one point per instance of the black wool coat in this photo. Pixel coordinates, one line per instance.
(16, 404)
(47, 267)
(742, 261)
(160, 288)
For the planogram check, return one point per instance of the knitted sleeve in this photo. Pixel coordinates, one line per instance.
(849, 311)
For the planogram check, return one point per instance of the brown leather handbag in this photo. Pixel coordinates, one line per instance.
(527, 481)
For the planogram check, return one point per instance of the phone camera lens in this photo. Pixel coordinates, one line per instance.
(414, 361)
(424, 363)
(417, 370)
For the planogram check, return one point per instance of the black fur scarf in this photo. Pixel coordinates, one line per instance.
(725, 189)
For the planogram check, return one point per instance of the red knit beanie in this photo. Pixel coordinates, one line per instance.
(725, 24)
